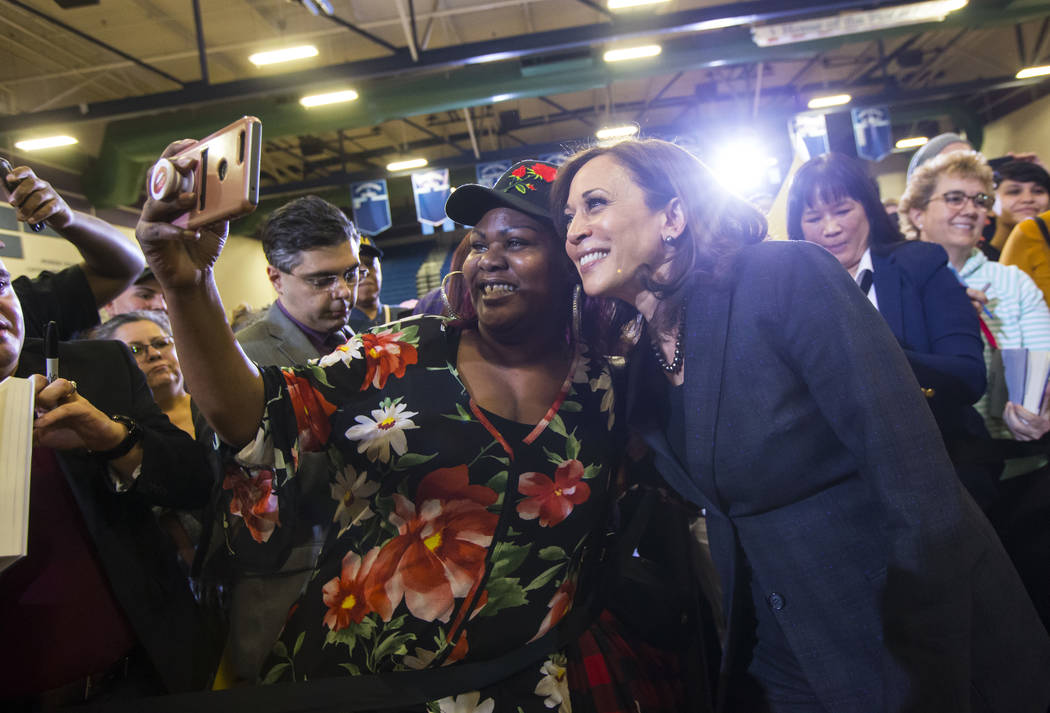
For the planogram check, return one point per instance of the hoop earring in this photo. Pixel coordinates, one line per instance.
(577, 318)
(444, 295)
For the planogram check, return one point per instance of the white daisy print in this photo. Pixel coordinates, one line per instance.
(345, 353)
(385, 430)
(352, 492)
(554, 687)
(467, 703)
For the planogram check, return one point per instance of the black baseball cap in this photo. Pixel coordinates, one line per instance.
(525, 186)
(369, 247)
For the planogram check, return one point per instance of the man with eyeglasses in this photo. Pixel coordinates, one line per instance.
(312, 254)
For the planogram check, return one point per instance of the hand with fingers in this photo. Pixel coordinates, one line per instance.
(1025, 425)
(35, 200)
(66, 420)
(177, 256)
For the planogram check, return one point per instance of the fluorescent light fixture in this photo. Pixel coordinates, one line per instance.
(49, 142)
(851, 23)
(626, 53)
(501, 98)
(624, 4)
(286, 54)
(346, 95)
(1029, 72)
(833, 100)
(406, 164)
(616, 132)
(912, 142)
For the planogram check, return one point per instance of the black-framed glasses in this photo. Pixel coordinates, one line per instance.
(351, 277)
(140, 350)
(957, 199)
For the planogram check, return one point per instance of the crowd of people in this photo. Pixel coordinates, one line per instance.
(633, 455)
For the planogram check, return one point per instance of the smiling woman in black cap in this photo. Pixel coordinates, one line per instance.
(473, 462)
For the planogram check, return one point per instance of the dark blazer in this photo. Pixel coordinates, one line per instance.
(810, 445)
(138, 559)
(929, 313)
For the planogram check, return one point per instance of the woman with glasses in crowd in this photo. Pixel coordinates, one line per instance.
(835, 204)
(857, 573)
(148, 336)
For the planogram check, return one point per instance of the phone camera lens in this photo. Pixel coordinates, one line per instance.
(224, 168)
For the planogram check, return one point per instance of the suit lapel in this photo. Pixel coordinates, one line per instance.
(289, 340)
(888, 290)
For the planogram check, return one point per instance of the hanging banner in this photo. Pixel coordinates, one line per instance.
(809, 135)
(371, 206)
(872, 132)
(431, 192)
(489, 173)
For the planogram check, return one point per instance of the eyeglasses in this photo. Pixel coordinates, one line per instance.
(957, 199)
(141, 350)
(329, 282)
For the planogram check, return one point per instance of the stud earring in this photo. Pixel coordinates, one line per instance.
(444, 295)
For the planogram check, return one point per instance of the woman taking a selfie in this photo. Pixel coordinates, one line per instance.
(858, 575)
(473, 466)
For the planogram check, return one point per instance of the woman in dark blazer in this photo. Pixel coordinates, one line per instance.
(858, 574)
(833, 203)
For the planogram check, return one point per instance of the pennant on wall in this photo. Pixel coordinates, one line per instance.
(489, 173)
(872, 132)
(431, 190)
(371, 206)
(809, 134)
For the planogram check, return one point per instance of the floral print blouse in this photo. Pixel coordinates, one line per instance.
(457, 535)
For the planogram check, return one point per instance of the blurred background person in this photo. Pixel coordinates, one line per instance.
(144, 294)
(369, 310)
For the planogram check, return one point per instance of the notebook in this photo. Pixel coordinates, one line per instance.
(16, 453)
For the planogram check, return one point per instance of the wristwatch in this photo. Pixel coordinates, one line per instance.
(129, 442)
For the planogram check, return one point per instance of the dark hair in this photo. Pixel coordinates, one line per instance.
(828, 179)
(1023, 172)
(107, 329)
(717, 222)
(601, 319)
(303, 224)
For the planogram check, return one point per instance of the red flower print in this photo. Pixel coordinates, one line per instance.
(518, 172)
(559, 606)
(312, 411)
(458, 651)
(552, 501)
(345, 595)
(547, 173)
(438, 555)
(385, 355)
(254, 501)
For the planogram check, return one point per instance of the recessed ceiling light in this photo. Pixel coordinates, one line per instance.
(286, 54)
(406, 164)
(49, 142)
(346, 95)
(1029, 72)
(616, 132)
(912, 142)
(626, 53)
(833, 100)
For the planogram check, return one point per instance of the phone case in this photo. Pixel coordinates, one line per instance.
(226, 178)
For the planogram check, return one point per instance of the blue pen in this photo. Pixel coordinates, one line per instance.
(984, 307)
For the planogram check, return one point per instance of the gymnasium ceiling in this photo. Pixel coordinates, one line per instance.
(457, 81)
